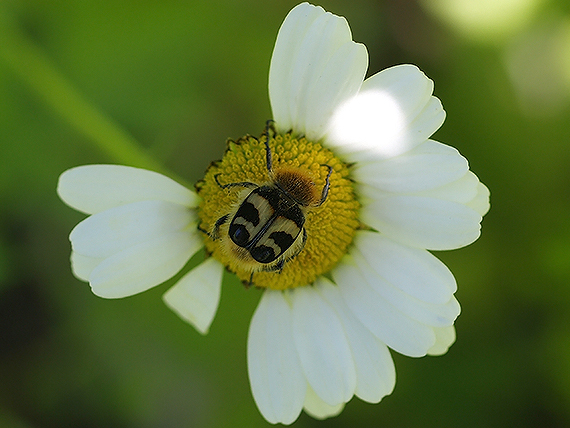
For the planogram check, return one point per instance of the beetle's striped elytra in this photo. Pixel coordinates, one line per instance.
(266, 227)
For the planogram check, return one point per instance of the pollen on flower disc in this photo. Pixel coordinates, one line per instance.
(329, 227)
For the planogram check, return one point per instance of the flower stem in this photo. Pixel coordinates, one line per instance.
(36, 69)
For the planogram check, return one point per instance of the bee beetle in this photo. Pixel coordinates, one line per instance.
(267, 229)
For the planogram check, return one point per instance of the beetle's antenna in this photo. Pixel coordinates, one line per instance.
(269, 161)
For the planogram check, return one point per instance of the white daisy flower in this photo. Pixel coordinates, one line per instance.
(331, 212)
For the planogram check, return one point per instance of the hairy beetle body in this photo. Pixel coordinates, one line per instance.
(266, 226)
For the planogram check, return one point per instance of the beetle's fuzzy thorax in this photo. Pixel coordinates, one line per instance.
(298, 184)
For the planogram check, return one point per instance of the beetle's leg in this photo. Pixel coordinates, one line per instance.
(325, 191)
(239, 184)
(215, 234)
(204, 231)
(249, 283)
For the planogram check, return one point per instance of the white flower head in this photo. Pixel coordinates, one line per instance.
(331, 212)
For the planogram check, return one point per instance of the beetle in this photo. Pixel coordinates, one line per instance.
(267, 229)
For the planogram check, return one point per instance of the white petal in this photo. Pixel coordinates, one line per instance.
(444, 338)
(275, 373)
(414, 271)
(406, 83)
(428, 166)
(196, 295)
(339, 79)
(399, 332)
(425, 123)
(393, 112)
(434, 315)
(423, 222)
(116, 229)
(145, 265)
(317, 408)
(461, 191)
(314, 67)
(322, 346)
(289, 39)
(480, 202)
(82, 266)
(375, 372)
(95, 188)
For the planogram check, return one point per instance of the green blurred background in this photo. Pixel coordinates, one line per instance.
(179, 77)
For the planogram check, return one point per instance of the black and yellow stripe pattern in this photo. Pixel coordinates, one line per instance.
(267, 223)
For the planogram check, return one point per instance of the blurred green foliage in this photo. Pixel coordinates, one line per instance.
(179, 77)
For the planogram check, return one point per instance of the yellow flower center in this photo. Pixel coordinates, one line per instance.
(242, 197)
